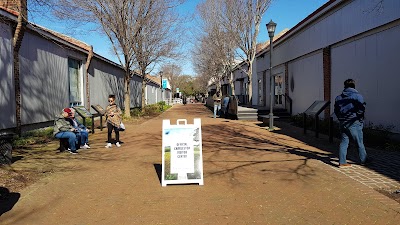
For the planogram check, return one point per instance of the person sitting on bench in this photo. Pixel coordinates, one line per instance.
(64, 130)
(82, 133)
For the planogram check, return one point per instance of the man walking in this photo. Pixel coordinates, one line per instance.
(349, 109)
(217, 103)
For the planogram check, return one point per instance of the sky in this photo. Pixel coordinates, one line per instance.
(286, 13)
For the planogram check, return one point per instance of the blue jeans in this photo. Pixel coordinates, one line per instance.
(355, 131)
(83, 136)
(217, 108)
(70, 136)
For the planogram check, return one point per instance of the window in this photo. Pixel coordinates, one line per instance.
(75, 82)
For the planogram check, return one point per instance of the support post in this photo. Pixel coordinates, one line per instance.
(331, 129)
(316, 126)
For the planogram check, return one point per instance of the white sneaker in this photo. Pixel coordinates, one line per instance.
(117, 144)
(108, 145)
(86, 146)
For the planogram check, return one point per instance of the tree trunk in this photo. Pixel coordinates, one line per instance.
(232, 82)
(144, 83)
(87, 65)
(127, 95)
(17, 41)
(250, 83)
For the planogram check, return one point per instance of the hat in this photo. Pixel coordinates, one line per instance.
(68, 110)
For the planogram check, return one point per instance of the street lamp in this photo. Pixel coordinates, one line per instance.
(271, 30)
(161, 85)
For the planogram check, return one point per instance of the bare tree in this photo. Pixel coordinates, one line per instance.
(242, 18)
(219, 40)
(172, 72)
(142, 32)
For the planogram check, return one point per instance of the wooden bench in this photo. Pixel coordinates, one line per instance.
(64, 144)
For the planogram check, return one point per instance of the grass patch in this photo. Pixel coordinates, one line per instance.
(150, 110)
(37, 136)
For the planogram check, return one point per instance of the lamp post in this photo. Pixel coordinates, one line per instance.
(161, 85)
(271, 30)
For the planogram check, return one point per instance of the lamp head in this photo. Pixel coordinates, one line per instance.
(271, 28)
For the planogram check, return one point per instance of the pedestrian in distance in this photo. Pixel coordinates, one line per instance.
(225, 106)
(349, 109)
(114, 119)
(64, 130)
(217, 103)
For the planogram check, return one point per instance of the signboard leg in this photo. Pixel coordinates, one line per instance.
(92, 124)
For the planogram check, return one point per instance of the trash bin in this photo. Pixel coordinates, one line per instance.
(6, 148)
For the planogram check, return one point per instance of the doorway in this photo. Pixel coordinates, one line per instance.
(279, 91)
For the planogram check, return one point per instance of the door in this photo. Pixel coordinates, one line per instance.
(279, 91)
(262, 86)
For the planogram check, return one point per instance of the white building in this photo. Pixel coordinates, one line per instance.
(343, 39)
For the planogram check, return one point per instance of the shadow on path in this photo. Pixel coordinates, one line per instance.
(7, 200)
(386, 163)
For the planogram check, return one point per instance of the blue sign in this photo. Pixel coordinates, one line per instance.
(164, 83)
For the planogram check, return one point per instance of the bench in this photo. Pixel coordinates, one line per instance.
(64, 144)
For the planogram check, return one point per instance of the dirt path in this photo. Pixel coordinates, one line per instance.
(251, 176)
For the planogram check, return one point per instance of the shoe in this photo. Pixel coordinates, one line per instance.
(117, 144)
(73, 152)
(344, 165)
(85, 146)
(108, 145)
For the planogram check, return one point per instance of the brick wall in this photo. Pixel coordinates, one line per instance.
(327, 77)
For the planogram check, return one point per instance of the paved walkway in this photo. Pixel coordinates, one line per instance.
(251, 176)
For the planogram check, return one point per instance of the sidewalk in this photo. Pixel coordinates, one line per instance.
(251, 176)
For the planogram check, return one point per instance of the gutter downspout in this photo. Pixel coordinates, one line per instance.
(87, 65)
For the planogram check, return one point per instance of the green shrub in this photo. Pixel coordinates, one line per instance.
(37, 136)
(150, 110)
(136, 112)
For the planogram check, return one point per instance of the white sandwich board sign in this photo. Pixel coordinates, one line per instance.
(182, 158)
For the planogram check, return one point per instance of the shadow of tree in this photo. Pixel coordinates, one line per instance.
(383, 162)
(7, 200)
(243, 141)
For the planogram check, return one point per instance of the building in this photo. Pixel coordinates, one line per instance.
(342, 39)
(55, 71)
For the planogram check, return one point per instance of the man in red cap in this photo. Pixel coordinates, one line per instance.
(64, 129)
